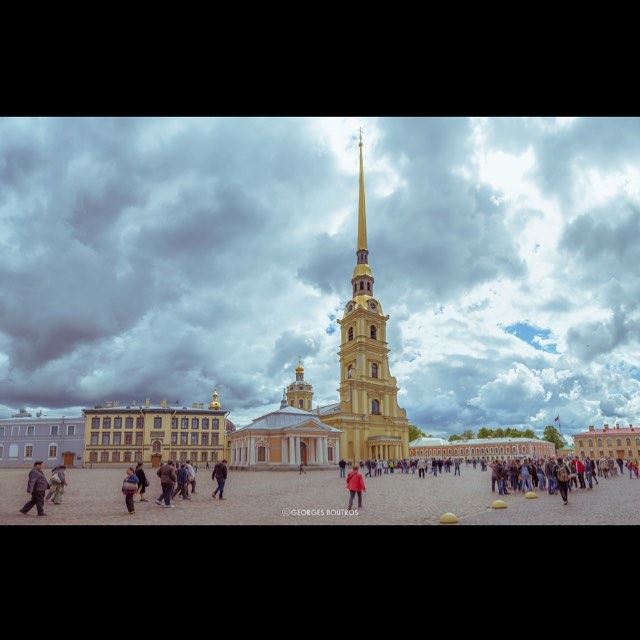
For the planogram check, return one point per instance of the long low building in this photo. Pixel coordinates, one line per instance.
(608, 442)
(25, 439)
(482, 448)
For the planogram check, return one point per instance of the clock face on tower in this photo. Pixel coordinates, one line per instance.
(372, 306)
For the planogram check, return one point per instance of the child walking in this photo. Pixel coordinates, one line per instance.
(355, 484)
(130, 488)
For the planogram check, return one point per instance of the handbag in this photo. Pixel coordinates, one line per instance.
(129, 487)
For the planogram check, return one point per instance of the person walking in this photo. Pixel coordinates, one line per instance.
(143, 483)
(580, 467)
(456, 465)
(355, 484)
(36, 486)
(130, 488)
(501, 477)
(588, 472)
(54, 480)
(368, 465)
(549, 466)
(301, 470)
(594, 472)
(57, 483)
(378, 467)
(191, 480)
(220, 476)
(183, 483)
(562, 474)
(421, 465)
(342, 464)
(168, 478)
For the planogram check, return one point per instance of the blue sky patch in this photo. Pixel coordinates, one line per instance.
(539, 339)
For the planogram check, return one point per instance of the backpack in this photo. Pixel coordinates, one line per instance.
(563, 474)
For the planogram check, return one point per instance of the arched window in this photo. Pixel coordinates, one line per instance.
(349, 371)
(374, 332)
(361, 285)
(300, 404)
(608, 442)
(262, 454)
(156, 447)
(628, 442)
(590, 442)
(291, 402)
(355, 289)
(374, 370)
(600, 442)
(638, 441)
(619, 442)
(350, 334)
(375, 407)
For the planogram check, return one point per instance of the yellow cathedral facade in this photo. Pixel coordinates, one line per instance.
(372, 424)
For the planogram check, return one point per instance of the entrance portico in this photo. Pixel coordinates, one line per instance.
(384, 447)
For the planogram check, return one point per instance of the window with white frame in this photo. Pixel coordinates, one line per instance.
(30, 430)
(28, 451)
(2, 431)
(71, 430)
(54, 430)
(13, 451)
(1, 451)
(53, 450)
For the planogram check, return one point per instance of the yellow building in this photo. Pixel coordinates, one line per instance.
(114, 434)
(618, 442)
(372, 423)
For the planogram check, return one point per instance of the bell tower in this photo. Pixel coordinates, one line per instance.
(373, 424)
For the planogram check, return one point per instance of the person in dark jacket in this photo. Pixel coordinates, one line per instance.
(142, 481)
(183, 482)
(220, 476)
(167, 473)
(343, 465)
(36, 486)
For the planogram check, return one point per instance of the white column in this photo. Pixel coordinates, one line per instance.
(325, 450)
(298, 458)
(292, 453)
(252, 453)
(337, 456)
(317, 451)
(284, 452)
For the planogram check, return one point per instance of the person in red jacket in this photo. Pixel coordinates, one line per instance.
(355, 484)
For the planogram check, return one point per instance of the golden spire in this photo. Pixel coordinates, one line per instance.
(362, 210)
(300, 367)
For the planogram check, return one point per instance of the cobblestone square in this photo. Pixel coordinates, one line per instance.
(93, 497)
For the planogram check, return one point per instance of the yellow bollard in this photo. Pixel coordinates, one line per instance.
(530, 494)
(448, 518)
(498, 504)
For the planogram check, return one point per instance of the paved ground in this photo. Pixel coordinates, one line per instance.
(93, 497)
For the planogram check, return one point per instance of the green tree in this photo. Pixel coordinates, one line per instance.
(454, 437)
(529, 433)
(551, 434)
(499, 433)
(485, 432)
(415, 433)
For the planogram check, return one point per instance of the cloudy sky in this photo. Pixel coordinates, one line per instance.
(160, 258)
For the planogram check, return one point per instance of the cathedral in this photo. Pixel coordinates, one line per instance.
(372, 424)
(367, 422)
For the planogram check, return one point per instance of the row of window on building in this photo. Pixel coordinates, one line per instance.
(474, 450)
(27, 453)
(373, 332)
(374, 370)
(30, 430)
(601, 453)
(157, 423)
(185, 438)
(618, 442)
(136, 456)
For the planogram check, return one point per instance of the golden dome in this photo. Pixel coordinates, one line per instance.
(215, 402)
(299, 368)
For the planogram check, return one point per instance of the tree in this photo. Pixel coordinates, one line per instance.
(454, 437)
(551, 434)
(528, 433)
(485, 432)
(499, 433)
(415, 433)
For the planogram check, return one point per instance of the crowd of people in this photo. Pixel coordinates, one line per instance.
(557, 475)
(174, 480)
